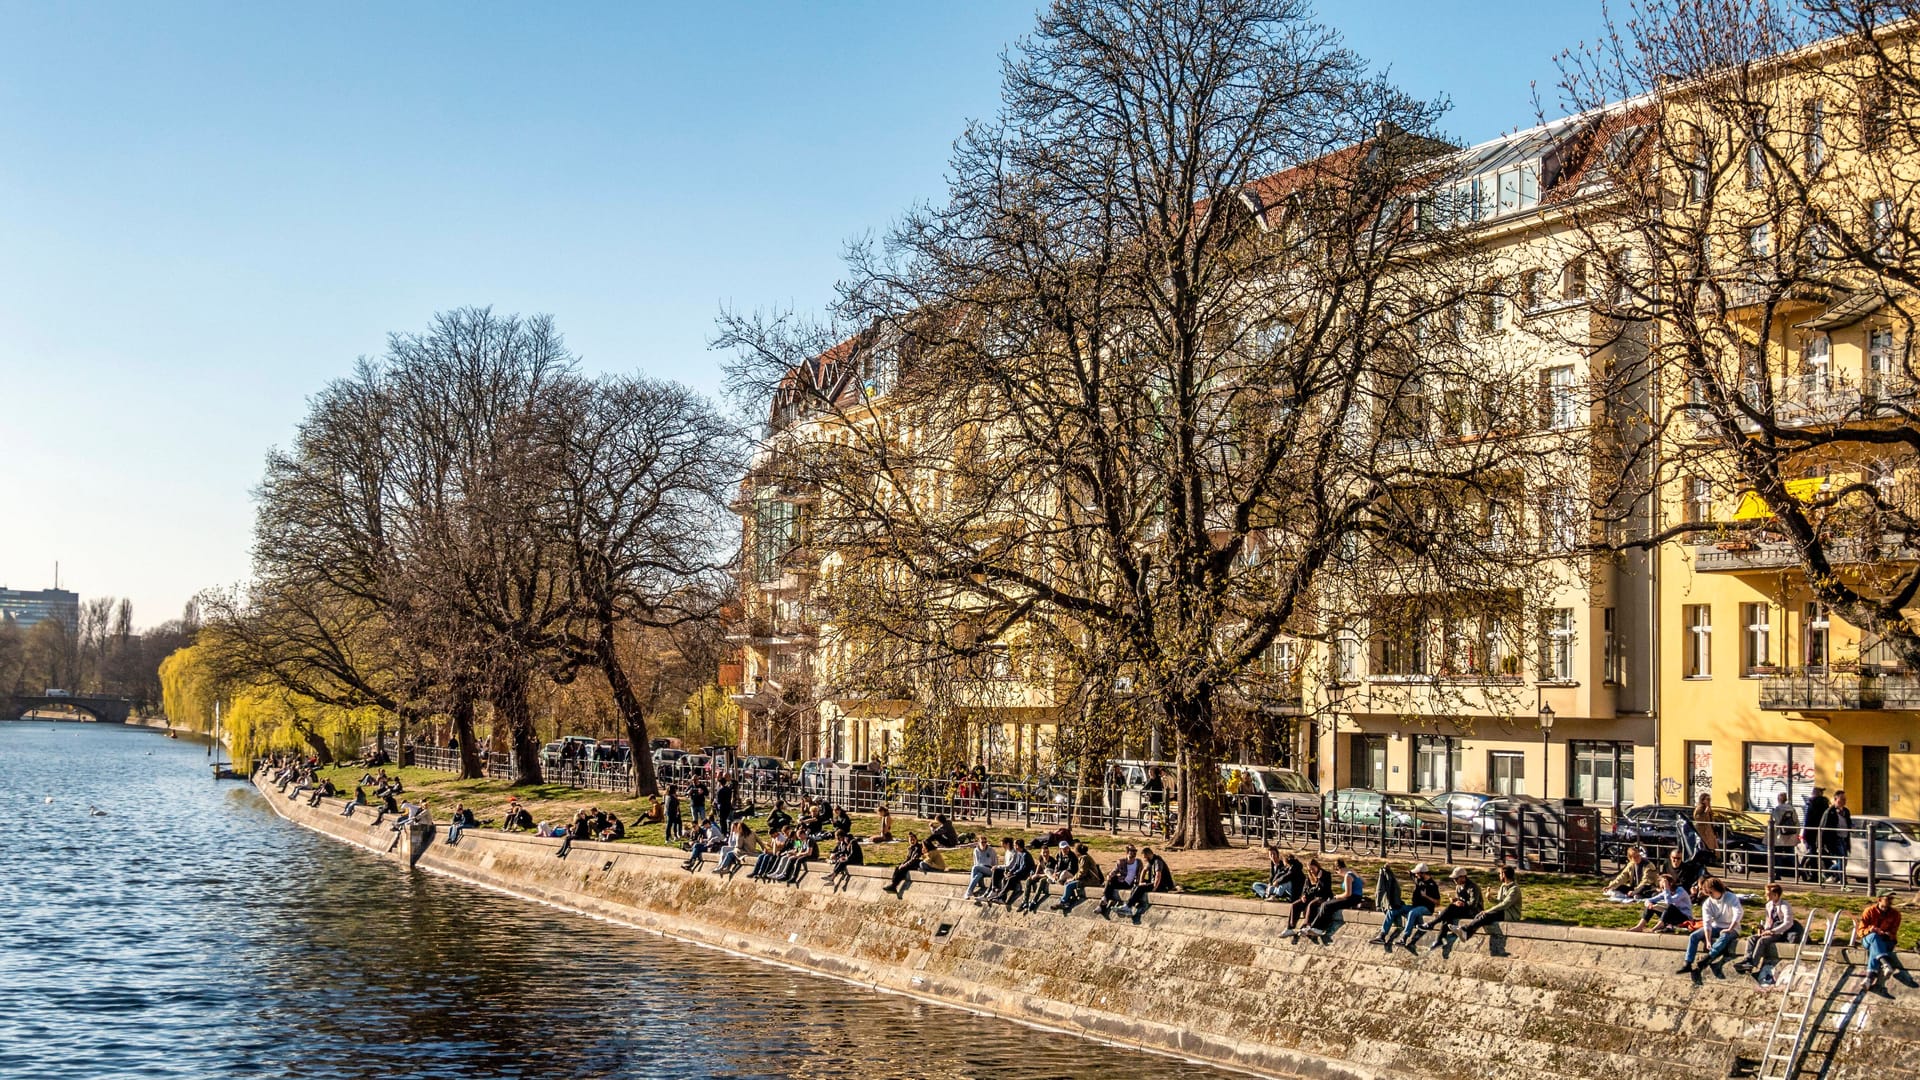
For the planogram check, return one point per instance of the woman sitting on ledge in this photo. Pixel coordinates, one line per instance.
(1672, 906)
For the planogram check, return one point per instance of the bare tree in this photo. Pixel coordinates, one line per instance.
(1759, 207)
(1182, 370)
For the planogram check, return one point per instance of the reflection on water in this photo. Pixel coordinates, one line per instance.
(188, 933)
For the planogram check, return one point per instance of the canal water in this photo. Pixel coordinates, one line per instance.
(185, 931)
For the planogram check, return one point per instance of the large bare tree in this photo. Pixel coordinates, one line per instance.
(1182, 369)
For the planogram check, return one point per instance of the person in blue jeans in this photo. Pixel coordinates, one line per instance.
(1881, 921)
(1720, 918)
(1405, 917)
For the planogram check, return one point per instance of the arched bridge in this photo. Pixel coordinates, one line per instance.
(107, 710)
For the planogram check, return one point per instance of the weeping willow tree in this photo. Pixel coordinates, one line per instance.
(258, 716)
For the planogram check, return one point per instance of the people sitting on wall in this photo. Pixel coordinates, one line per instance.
(846, 852)
(1881, 921)
(1465, 903)
(1086, 876)
(983, 864)
(1505, 906)
(1059, 868)
(922, 857)
(741, 842)
(1155, 877)
(707, 838)
(1405, 918)
(1019, 870)
(1720, 916)
(359, 799)
(1668, 910)
(325, 790)
(1777, 925)
(769, 857)
(1637, 880)
(1315, 890)
(1321, 915)
(792, 865)
(461, 821)
(1121, 879)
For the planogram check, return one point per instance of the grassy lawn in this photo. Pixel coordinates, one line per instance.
(1548, 898)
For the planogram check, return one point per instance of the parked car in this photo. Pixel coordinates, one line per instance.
(1286, 793)
(1656, 828)
(813, 777)
(692, 765)
(1896, 850)
(1406, 816)
(762, 769)
(666, 762)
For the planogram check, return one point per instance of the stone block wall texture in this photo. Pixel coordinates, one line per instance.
(1205, 977)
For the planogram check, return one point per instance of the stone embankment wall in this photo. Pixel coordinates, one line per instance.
(1205, 977)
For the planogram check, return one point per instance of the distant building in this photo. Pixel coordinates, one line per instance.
(25, 607)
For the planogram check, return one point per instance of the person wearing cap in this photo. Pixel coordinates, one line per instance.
(1465, 904)
(1406, 917)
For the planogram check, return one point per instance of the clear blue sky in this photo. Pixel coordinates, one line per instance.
(207, 210)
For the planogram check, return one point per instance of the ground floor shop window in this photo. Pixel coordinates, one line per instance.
(1776, 767)
(1601, 772)
(1507, 772)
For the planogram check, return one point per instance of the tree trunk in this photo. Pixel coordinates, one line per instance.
(321, 752)
(1200, 827)
(632, 711)
(510, 708)
(471, 765)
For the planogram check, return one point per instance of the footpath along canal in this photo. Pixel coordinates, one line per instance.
(186, 931)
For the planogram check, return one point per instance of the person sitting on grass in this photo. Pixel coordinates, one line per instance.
(778, 818)
(1465, 904)
(1881, 921)
(1285, 881)
(1668, 910)
(1086, 875)
(1720, 916)
(1505, 906)
(612, 829)
(518, 818)
(656, 813)
(1763, 948)
(921, 857)
(943, 834)
(1155, 877)
(1637, 880)
(884, 835)
(1406, 917)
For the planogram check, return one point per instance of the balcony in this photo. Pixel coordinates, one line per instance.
(1821, 691)
(1749, 556)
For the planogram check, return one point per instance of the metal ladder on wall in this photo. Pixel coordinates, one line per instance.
(1780, 1056)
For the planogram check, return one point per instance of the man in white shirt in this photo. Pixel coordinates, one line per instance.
(1719, 927)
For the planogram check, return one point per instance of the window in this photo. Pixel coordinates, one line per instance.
(1559, 521)
(1530, 290)
(1776, 767)
(1613, 666)
(1369, 762)
(1876, 117)
(1697, 505)
(1816, 135)
(1507, 772)
(1489, 307)
(1760, 241)
(1879, 356)
(1699, 771)
(1436, 763)
(1556, 645)
(1882, 227)
(1819, 247)
(1813, 650)
(1697, 171)
(1573, 280)
(1756, 637)
(1401, 651)
(1698, 642)
(1600, 772)
(1509, 190)
(1559, 410)
(1346, 658)
(1816, 364)
(775, 529)
(1757, 152)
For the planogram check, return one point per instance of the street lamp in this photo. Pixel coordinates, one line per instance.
(1546, 729)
